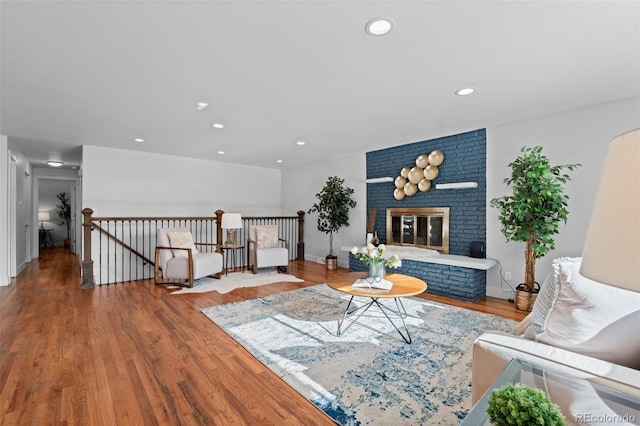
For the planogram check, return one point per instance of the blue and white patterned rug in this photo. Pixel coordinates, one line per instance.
(368, 375)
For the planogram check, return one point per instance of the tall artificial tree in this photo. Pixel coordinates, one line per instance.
(538, 204)
(334, 203)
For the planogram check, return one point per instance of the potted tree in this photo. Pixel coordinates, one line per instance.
(334, 203)
(533, 212)
(64, 213)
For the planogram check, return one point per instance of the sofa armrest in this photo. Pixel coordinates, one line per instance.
(492, 351)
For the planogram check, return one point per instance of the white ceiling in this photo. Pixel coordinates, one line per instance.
(275, 72)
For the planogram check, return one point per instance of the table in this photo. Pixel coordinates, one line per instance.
(233, 248)
(581, 401)
(45, 237)
(403, 286)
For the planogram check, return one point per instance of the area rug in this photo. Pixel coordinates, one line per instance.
(368, 375)
(236, 280)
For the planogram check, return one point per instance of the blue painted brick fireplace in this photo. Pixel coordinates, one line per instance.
(464, 161)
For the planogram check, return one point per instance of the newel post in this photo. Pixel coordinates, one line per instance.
(219, 230)
(300, 251)
(87, 261)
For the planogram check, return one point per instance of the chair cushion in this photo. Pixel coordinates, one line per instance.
(266, 236)
(203, 264)
(272, 257)
(584, 316)
(182, 239)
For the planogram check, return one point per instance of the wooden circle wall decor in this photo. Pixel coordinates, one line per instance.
(398, 194)
(422, 161)
(431, 172)
(415, 175)
(410, 189)
(418, 178)
(436, 157)
(424, 185)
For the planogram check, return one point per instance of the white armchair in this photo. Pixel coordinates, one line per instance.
(266, 249)
(177, 260)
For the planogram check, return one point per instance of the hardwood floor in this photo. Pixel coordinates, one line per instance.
(132, 354)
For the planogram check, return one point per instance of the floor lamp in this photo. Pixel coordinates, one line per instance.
(612, 247)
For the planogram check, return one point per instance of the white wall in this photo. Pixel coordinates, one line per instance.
(5, 244)
(130, 183)
(22, 208)
(577, 136)
(299, 189)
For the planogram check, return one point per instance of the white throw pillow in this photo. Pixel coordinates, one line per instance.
(266, 236)
(585, 316)
(181, 239)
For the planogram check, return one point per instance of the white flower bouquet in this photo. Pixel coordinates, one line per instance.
(371, 254)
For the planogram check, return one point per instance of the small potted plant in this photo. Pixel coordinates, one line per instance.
(517, 404)
(334, 203)
(64, 213)
(532, 213)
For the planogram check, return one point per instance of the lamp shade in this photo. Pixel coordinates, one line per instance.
(231, 220)
(612, 248)
(43, 216)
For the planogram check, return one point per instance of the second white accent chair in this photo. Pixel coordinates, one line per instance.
(266, 249)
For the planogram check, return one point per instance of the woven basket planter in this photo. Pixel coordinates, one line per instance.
(525, 299)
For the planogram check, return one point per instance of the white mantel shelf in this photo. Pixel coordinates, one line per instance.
(443, 259)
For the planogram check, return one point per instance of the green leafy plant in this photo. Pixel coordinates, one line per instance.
(334, 203)
(519, 404)
(64, 211)
(536, 207)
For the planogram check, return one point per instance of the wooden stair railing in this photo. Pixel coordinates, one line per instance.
(124, 246)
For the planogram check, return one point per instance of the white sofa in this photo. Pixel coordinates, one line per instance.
(577, 326)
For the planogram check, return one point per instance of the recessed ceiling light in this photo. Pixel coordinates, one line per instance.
(201, 105)
(278, 161)
(217, 126)
(379, 26)
(220, 152)
(54, 163)
(138, 140)
(466, 91)
(300, 143)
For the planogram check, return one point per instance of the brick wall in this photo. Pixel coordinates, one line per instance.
(464, 161)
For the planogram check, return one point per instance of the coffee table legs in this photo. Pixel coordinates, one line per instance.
(402, 313)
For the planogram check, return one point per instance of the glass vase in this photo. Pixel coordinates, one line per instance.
(377, 270)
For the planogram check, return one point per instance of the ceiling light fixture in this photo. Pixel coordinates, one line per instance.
(379, 26)
(139, 140)
(201, 105)
(220, 152)
(300, 143)
(217, 126)
(466, 91)
(54, 163)
(278, 161)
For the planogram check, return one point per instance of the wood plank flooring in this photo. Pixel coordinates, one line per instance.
(132, 354)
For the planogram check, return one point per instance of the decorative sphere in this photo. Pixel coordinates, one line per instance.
(416, 174)
(422, 161)
(431, 172)
(400, 182)
(398, 194)
(410, 189)
(436, 157)
(424, 185)
(405, 172)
